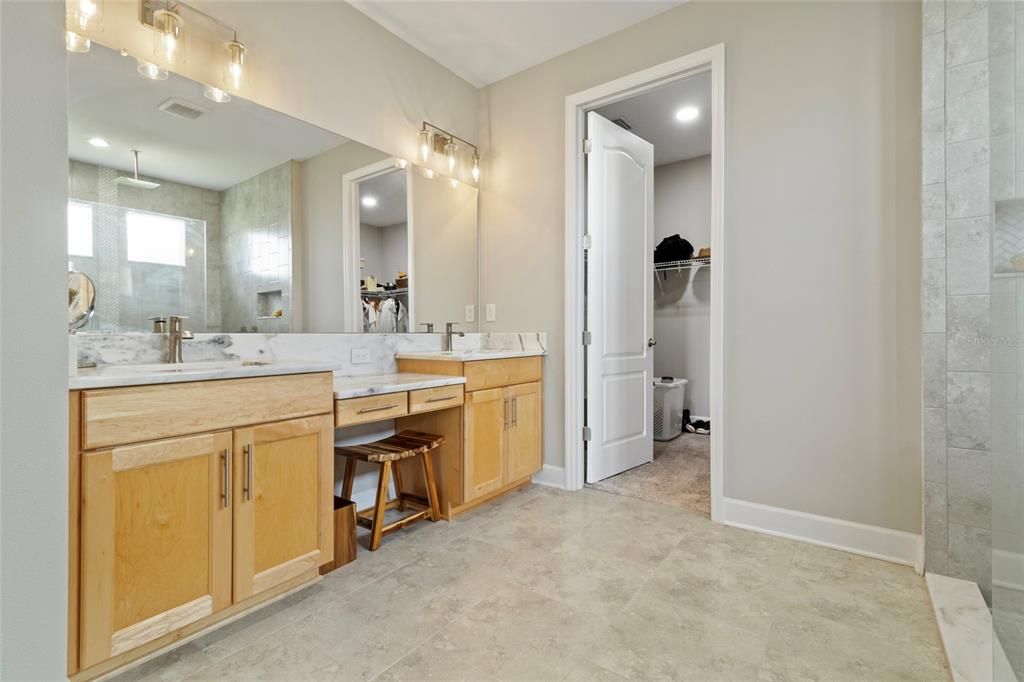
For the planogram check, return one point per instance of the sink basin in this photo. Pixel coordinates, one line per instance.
(164, 367)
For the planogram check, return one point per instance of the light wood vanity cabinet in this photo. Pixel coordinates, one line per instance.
(502, 428)
(180, 531)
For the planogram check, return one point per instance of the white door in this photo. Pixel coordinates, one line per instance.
(620, 303)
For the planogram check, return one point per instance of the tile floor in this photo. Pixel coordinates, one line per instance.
(680, 475)
(549, 585)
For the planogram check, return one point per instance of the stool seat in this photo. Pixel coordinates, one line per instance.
(399, 446)
(387, 454)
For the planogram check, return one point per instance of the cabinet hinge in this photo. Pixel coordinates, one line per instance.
(587, 241)
(587, 147)
(587, 434)
(587, 338)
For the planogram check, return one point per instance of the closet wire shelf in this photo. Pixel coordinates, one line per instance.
(386, 293)
(688, 264)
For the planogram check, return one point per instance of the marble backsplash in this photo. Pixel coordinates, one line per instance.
(145, 348)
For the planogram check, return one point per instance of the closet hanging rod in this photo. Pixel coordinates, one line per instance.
(682, 264)
(385, 292)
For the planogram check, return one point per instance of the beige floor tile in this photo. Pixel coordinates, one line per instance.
(813, 555)
(805, 647)
(286, 655)
(175, 665)
(517, 634)
(432, 660)
(589, 672)
(577, 509)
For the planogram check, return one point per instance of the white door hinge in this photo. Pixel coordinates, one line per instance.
(587, 434)
(587, 338)
(587, 146)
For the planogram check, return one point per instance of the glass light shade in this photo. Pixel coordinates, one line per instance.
(169, 40)
(476, 168)
(76, 43)
(150, 70)
(449, 152)
(401, 163)
(429, 173)
(453, 182)
(235, 65)
(85, 14)
(425, 145)
(217, 95)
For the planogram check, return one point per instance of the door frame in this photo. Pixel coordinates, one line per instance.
(576, 107)
(352, 313)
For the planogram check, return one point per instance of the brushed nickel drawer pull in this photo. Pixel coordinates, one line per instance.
(364, 410)
(247, 489)
(225, 494)
(515, 411)
(441, 398)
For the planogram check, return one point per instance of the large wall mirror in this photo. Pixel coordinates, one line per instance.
(244, 219)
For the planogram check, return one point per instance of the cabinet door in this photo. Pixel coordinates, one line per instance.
(284, 478)
(485, 415)
(525, 441)
(155, 540)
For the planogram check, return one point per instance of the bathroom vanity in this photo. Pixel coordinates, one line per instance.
(202, 492)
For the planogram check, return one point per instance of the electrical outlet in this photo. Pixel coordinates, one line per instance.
(492, 314)
(360, 356)
(470, 313)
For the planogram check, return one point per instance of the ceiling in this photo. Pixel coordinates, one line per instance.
(652, 117)
(389, 191)
(484, 42)
(229, 143)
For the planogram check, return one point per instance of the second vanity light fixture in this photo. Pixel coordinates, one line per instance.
(433, 139)
(166, 19)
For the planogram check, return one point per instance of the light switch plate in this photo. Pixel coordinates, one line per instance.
(360, 356)
(470, 313)
(491, 312)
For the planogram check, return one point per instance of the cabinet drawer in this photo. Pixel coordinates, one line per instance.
(482, 374)
(440, 398)
(370, 409)
(117, 416)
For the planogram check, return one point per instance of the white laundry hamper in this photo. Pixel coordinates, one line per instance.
(668, 407)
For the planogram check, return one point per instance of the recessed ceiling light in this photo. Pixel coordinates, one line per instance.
(216, 95)
(687, 114)
(369, 202)
(98, 142)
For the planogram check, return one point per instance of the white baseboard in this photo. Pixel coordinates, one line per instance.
(872, 541)
(551, 476)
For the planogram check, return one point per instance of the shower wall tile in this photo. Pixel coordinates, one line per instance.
(935, 445)
(933, 216)
(1001, 33)
(966, 31)
(933, 359)
(970, 488)
(1003, 164)
(933, 295)
(968, 252)
(970, 556)
(933, 18)
(933, 71)
(968, 415)
(968, 330)
(936, 527)
(967, 179)
(967, 102)
(1001, 94)
(933, 146)
(1002, 413)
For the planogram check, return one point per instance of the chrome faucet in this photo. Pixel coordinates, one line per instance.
(449, 333)
(171, 326)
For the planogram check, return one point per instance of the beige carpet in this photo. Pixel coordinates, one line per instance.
(680, 475)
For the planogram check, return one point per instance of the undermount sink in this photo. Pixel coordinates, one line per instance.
(165, 367)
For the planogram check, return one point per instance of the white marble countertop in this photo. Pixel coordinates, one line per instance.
(376, 384)
(468, 355)
(108, 376)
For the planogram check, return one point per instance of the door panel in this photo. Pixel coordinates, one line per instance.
(282, 526)
(620, 303)
(156, 541)
(525, 440)
(485, 415)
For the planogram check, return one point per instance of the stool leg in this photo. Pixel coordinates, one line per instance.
(381, 506)
(399, 490)
(350, 477)
(428, 473)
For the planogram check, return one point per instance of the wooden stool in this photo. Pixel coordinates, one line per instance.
(387, 453)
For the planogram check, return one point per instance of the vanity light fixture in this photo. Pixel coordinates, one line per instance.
(84, 14)
(687, 114)
(99, 142)
(169, 41)
(76, 43)
(235, 63)
(369, 201)
(429, 173)
(438, 140)
(150, 70)
(454, 183)
(401, 163)
(216, 95)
